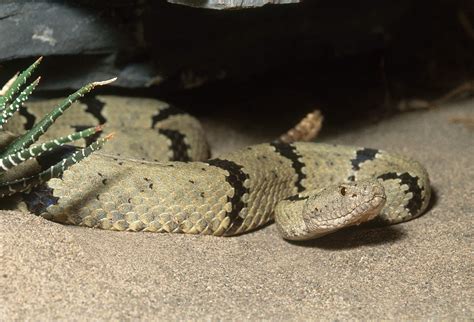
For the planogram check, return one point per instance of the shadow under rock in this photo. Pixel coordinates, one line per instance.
(354, 237)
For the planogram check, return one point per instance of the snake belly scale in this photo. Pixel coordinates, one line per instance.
(122, 188)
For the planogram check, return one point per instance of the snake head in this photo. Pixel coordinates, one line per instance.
(342, 205)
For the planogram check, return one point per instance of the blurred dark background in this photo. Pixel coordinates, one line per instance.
(349, 58)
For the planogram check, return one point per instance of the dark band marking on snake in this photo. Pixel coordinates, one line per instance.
(178, 145)
(289, 151)
(416, 201)
(363, 155)
(236, 179)
(165, 114)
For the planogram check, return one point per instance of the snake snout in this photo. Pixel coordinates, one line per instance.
(343, 205)
(366, 200)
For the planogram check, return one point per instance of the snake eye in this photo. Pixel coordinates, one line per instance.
(343, 191)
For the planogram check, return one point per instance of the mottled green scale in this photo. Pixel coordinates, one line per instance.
(328, 164)
(144, 191)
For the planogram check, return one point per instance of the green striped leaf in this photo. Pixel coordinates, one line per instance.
(17, 83)
(21, 156)
(43, 125)
(24, 184)
(8, 112)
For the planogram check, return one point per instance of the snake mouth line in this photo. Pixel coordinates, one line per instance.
(377, 199)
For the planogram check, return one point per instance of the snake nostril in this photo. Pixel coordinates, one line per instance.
(343, 191)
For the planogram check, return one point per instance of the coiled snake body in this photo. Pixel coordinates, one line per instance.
(310, 189)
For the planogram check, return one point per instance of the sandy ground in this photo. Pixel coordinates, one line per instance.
(422, 269)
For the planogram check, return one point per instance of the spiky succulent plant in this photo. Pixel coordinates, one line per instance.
(22, 148)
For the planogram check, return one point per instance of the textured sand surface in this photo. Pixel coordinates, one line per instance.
(417, 270)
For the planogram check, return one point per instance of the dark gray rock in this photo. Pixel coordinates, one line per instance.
(56, 28)
(89, 42)
(146, 42)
